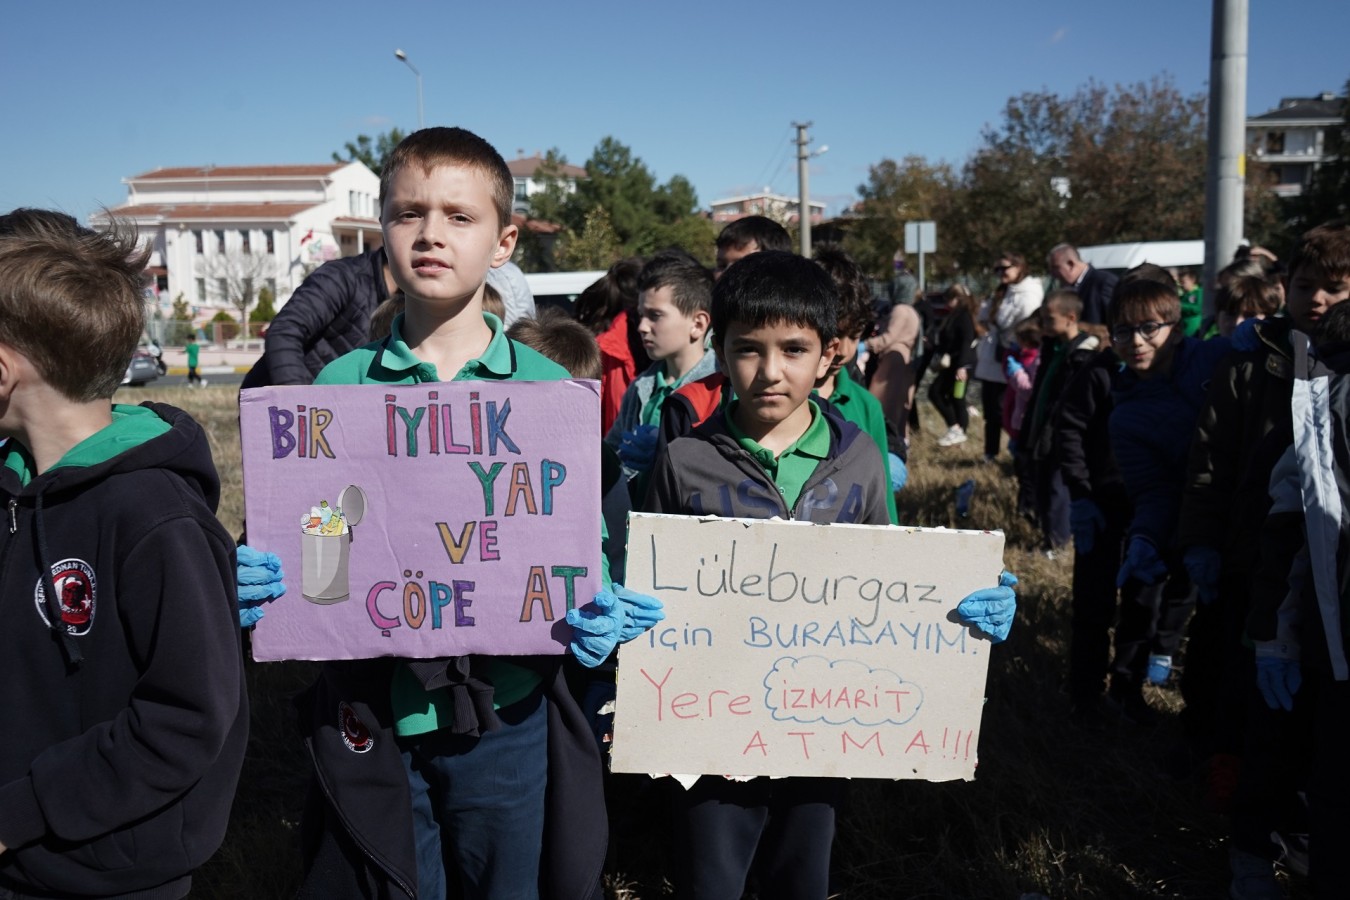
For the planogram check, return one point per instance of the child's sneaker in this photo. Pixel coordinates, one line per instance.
(955, 435)
(1159, 668)
(1253, 877)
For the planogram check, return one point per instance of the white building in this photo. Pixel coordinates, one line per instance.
(781, 209)
(525, 174)
(1291, 140)
(204, 222)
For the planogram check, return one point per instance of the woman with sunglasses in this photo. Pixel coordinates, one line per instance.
(1018, 295)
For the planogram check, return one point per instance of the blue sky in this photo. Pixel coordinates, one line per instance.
(96, 92)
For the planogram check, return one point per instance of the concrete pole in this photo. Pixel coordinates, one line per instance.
(1225, 173)
(803, 195)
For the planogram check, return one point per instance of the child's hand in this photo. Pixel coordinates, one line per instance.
(258, 576)
(640, 612)
(1141, 563)
(1011, 367)
(1085, 520)
(1278, 674)
(992, 609)
(596, 629)
(637, 449)
(1203, 564)
(899, 472)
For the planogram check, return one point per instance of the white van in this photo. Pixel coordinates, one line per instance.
(560, 288)
(1117, 258)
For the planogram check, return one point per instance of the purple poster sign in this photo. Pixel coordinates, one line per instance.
(423, 520)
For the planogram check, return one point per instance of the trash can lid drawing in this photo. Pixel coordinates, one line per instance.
(352, 502)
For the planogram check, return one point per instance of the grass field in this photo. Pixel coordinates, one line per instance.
(1054, 810)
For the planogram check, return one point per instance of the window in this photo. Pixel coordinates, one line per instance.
(201, 288)
(271, 241)
(352, 204)
(220, 240)
(1274, 142)
(244, 242)
(522, 189)
(223, 289)
(197, 236)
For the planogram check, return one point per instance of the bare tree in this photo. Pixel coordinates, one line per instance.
(236, 276)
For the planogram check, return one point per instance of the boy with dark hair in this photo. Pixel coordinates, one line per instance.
(1227, 498)
(123, 674)
(1065, 350)
(774, 318)
(674, 293)
(1158, 396)
(476, 769)
(747, 235)
(847, 396)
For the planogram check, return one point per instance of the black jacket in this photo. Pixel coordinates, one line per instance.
(1047, 392)
(1095, 291)
(1082, 442)
(358, 833)
(327, 315)
(126, 723)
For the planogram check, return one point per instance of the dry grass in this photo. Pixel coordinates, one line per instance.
(1054, 810)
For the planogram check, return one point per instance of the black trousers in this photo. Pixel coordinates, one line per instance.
(991, 405)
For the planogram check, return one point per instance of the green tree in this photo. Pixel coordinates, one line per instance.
(265, 311)
(372, 152)
(911, 190)
(1103, 165)
(596, 246)
(181, 313)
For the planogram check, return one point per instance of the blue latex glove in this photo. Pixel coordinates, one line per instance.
(1011, 366)
(637, 449)
(258, 576)
(1278, 677)
(640, 612)
(899, 472)
(1142, 563)
(992, 609)
(1085, 520)
(596, 628)
(1203, 564)
(1245, 337)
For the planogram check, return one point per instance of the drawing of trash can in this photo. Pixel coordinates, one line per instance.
(326, 546)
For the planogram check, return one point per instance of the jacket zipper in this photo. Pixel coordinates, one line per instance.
(13, 515)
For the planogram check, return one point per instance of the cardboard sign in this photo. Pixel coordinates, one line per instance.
(798, 649)
(423, 520)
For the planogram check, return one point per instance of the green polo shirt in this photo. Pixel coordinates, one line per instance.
(791, 468)
(857, 405)
(417, 711)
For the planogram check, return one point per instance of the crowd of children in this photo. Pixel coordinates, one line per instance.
(1203, 481)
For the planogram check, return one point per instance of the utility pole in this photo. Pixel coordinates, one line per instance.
(803, 194)
(1225, 172)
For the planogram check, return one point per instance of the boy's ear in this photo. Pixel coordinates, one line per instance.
(702, 321)
(506, 245)
(827, 355)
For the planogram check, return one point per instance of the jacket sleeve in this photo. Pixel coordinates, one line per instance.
(663, 489)
(963, 355)
(1212, 474)
(1077, 416)
(1282, 538)
(902, 329)
(316, 304)
(175, 600)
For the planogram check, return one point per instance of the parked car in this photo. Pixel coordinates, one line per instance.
(141, 370)
(560, 289)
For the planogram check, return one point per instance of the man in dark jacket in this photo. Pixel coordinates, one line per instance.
(1093, 286)
(328, 315)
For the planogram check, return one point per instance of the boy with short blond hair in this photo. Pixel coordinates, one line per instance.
(120, 657)
(773, 452)
(477, 769)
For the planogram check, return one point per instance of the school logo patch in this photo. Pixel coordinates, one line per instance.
(76, 593)
(354, 732)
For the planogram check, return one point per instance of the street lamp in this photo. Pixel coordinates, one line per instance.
(403, 56)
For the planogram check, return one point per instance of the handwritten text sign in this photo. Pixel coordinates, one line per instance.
(798, 649)
(423, 520)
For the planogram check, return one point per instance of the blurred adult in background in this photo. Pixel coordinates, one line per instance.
(1017, 296)
(1093, 286)
(953, 359)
